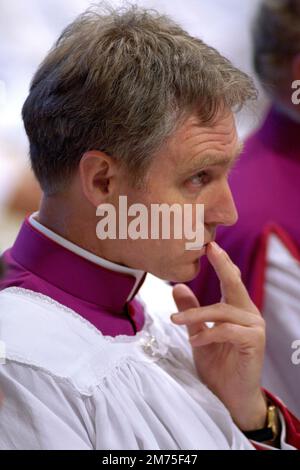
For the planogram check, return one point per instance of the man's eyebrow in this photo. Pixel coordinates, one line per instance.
(212, 160)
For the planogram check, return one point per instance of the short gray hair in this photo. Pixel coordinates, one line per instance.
(276, 37)
(120, 81)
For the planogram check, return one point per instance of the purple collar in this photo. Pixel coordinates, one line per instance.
(72, 273)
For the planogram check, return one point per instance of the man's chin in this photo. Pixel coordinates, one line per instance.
(187, 273)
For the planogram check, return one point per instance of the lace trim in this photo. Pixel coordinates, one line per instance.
(145, 332)
(60, 379)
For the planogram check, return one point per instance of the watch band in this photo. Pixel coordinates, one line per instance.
(260, 435)
(270, 432)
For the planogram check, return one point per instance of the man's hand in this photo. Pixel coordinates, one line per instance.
(229, 356)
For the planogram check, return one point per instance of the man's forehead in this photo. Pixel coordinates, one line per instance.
(210, 158)
(197, 145)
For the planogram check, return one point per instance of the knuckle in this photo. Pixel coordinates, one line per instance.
(257, 320)
(220, 306)
(238, 272)
(229, 328)
(261, 322)
(235, 280)
(189, 312)
(259, 331)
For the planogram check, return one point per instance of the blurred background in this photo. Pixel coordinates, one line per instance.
(28, 28)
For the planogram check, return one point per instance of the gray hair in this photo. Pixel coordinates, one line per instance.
(276, 37)
(121, 81)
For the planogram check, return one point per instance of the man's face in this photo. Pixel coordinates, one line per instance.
(192, 168)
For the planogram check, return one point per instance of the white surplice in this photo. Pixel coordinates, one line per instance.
(67, 386)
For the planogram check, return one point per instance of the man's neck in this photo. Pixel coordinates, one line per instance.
(78, 226)
(62, 220)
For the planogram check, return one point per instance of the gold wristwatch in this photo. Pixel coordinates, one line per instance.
(270, 434)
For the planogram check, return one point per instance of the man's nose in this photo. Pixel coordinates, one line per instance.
(224, 211)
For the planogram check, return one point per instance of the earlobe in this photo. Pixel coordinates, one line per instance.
(96, 171)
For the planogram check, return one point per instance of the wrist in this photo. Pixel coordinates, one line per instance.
(253, 415)
(270, 433)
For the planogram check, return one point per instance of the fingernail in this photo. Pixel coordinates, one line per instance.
(177, 316)
(216, 247)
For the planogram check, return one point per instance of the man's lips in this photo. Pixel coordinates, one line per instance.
(201, 252)
(204, 247)
(207, 243)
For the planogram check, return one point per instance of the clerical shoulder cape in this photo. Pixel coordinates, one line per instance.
(67, 386)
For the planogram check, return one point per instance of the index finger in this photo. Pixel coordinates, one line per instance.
(233, 290)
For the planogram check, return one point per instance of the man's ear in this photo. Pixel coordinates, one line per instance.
(98, 172)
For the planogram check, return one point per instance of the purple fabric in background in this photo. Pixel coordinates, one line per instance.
(37, 263)
(266, 188)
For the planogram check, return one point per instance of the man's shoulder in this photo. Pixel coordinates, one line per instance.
(38, 332)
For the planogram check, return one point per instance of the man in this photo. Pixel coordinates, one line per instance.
(127, 103)
(265, 243)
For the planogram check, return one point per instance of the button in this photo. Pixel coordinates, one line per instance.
(150, 346)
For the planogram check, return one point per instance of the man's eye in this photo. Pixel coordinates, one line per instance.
(200, 179)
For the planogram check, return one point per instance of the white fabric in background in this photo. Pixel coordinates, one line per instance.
(8, 177)
(282, 314)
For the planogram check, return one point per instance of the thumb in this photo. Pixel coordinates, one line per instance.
(186, 299)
